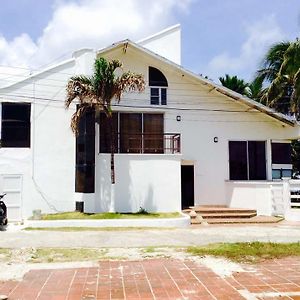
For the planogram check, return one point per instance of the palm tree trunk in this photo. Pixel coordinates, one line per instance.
(112, 151)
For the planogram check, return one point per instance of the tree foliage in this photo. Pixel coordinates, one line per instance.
(234, 83)
(99, 90)
(281, 73)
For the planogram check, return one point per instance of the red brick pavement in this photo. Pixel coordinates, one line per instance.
(159, 279)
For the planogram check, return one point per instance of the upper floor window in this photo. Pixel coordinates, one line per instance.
(15, 125)
(158, 87)
(133, 133)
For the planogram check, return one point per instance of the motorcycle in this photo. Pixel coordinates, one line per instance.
(3, 212)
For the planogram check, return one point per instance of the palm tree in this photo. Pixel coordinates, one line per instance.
(272, 62)
(281, 73)
(281, 70)
(98, 91)
(254, 89)
(234, 83)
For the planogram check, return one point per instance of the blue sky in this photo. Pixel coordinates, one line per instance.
(218, 36)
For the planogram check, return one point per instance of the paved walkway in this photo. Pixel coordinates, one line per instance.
(159, 279)
(198, 235)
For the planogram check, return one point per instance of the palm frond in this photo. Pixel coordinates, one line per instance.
(295, 97)
(129, 82)
(76, 118)
(275, 91)
(234, 83)
(75, 87)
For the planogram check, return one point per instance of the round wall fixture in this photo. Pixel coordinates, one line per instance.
(216, 139)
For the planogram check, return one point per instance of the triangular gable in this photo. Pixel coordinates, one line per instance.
(214, 86)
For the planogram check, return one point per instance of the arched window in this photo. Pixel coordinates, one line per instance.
(158, 87)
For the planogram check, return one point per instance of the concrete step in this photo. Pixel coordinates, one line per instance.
(221, 210)
(225, 215)
(253, 220)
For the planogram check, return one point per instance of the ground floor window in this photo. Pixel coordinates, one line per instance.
(281, 160)
(247, 160)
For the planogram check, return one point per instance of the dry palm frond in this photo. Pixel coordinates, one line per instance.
(129, 82)
(76, 117)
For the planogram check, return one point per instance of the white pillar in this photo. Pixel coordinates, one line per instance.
(269, 160)
(286, 196)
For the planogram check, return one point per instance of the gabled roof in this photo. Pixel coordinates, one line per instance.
(214, 86)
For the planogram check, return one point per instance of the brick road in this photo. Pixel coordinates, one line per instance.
(159, 279)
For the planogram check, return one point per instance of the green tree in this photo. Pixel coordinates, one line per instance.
(254, 89)
(281, 73)
(234, 83)
(99, 90)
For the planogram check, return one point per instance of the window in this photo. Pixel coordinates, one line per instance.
(281, 160)
(153, 125)
(15, 125)
(105, 133)
(85, 154)
(281, 153)
(158, 87)
(134, 133)
(130, 132)
(247, 160)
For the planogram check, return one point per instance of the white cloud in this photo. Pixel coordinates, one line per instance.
(260, 36)
(89, 23)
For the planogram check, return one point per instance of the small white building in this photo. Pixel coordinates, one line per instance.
(184, 141)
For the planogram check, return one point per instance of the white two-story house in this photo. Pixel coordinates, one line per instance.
(184, 141)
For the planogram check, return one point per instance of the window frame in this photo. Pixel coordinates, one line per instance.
(158, 80)
(280, 167)
(26, 144)
(247, 156)
(160, 100)
(118, 133)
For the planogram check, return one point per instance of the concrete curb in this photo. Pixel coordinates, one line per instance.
(183, 221)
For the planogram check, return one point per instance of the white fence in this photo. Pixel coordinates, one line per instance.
(286, 199)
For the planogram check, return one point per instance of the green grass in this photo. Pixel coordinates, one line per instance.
(149, 249)
(248, 251)
(67, 255)
(101, 216)
(71, 229)
(4, 251)
(241, 252)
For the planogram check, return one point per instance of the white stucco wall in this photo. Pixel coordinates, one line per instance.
(47, 167)
(252, 195)
(148, 181)
(166, 43)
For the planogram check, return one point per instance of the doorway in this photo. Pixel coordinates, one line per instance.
(187, 186)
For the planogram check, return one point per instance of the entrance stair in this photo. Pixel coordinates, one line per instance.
(227, 215)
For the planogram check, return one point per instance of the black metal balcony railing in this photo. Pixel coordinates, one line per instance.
(166, 143)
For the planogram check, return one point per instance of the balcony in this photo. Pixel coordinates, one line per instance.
(160, 143)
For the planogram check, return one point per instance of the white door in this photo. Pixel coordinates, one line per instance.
(11, 185)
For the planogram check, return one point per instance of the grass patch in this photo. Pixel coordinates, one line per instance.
(149, 249)
(4, 253)
(100, 216)
(71, 229)
(67, 255)
(248, 251)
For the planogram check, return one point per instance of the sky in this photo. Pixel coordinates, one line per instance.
(218, 36)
